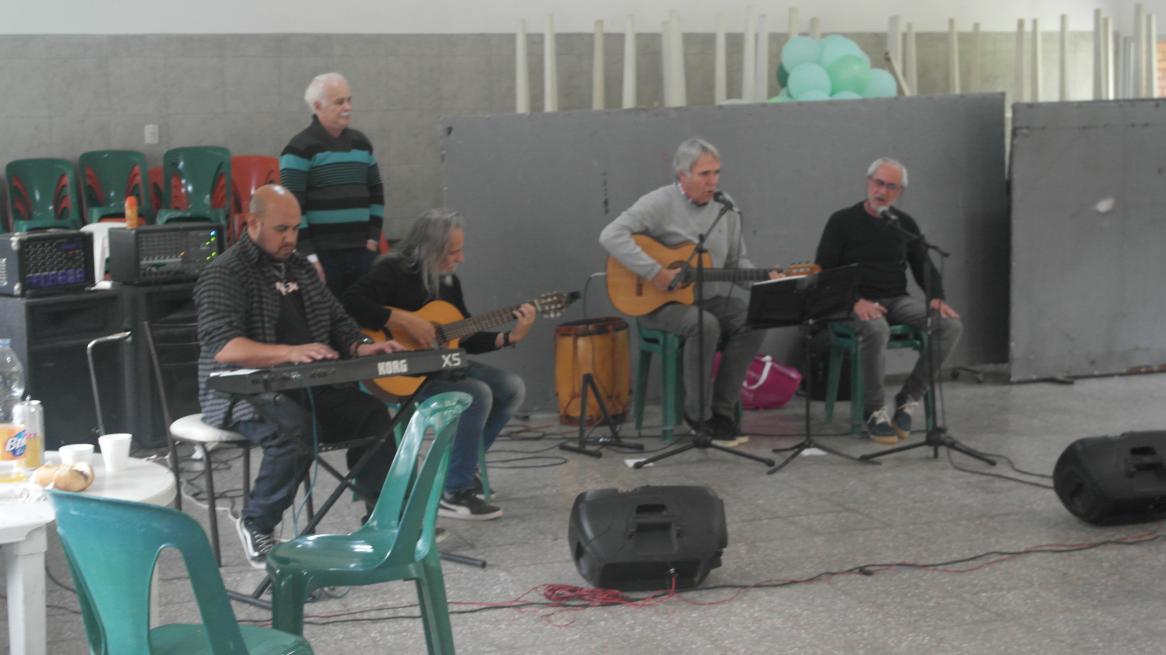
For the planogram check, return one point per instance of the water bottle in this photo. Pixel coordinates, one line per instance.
(14, 456)
(11, 380)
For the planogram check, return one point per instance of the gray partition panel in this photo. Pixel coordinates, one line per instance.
(536, 189)
(1089, 194)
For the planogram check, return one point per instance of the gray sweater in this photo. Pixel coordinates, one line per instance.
(669, 217)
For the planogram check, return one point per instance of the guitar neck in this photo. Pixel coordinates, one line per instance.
(475, 324)
(732, 274)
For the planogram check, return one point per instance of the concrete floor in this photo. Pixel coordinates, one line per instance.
(821, 514)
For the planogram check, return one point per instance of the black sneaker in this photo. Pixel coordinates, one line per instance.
(466, 506)
(256, 543)
(879, 430)
(479, 489)
(901, 421)
(440, 534)
(719, 428)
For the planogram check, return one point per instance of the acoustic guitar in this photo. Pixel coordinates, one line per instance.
(635, 296)
(451, 327)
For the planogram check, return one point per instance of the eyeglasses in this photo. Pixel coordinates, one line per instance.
(883, 184)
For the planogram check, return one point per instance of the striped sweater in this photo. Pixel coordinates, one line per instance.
(338, 185)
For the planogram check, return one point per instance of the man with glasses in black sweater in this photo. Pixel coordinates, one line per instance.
(879, 239)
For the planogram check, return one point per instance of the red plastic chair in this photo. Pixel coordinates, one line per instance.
(248, 173)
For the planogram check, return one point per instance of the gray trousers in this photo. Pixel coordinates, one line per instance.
(722, 317)
(873, 336)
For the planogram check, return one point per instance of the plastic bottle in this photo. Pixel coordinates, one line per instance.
(14, 455)
(132, 212)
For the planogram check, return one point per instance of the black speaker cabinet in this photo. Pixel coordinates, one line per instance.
(632, 540)
(49, 335)
(1114, 480)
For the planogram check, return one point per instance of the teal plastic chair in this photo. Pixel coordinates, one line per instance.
(399, 434)
(670, 347)
(112, 547)
(196, 185)
(108, 177)
(42, 194)
(843, 340)
(395, 544)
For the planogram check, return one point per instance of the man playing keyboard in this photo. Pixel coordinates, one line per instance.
(261, 304)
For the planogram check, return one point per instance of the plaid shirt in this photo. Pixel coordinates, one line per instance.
(236, 297)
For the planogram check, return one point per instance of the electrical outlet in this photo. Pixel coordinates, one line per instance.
(151, 134)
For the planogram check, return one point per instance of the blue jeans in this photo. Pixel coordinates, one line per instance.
(343, 267)
(497, 395)
(286, 436)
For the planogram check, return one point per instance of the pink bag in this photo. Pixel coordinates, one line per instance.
(768, 384)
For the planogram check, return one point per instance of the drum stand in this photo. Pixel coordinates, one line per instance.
(588, 386)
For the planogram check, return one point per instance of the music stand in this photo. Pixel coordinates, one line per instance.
(806, 302)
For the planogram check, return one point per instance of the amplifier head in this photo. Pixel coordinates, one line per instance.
(53, 261)
(156, 254)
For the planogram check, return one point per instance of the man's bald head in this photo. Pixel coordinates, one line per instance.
(273, 221)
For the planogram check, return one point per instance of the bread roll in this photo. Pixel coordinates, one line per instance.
(77, 477)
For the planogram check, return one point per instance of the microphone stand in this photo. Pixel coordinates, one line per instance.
(937, 435)
(701, 440)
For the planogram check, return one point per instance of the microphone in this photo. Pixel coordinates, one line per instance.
(888, 213)
(720, 197)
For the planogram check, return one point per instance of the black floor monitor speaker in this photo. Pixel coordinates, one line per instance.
(1114, 480)
(639, 539)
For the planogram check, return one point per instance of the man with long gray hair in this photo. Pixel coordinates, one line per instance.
(421, 270)
(332, 172)
(883, 241)
(676, 214)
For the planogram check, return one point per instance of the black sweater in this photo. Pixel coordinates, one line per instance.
(391, 284)
(853, 236)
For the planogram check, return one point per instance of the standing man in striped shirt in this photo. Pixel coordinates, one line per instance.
(330, 169)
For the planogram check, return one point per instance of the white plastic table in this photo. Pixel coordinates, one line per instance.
(23, 544)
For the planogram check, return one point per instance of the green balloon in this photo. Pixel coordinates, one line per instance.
(799, 50)
(880, 84)
(835, 46)
(808, 77)
(814, 94)
(848, 73)
(784, 96)
(846, 95)
(782, 76)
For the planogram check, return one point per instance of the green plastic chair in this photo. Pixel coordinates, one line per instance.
(42, 194)
(399, 434)
(108, 177)
(112, 547)
(196, 185)
(843, 340)
(670, 347)
(395, 544)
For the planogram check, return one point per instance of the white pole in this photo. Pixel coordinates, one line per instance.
(1138, 69)
(795, 22)
(761, 68)
(628, 99)
(953, 58)
(1064, 63)
(550, 74)
(666, 63)
(974, 83)
(895, 40)
(521, 71)
(1098, 58)
(598, 92)
(720, 90)
(1018, 82)
(748, 56)
(1129, 83)
(1152, 56)
(679, 81)
(911, 63)
(816, 27)
(1036, 60)
(1106, 59)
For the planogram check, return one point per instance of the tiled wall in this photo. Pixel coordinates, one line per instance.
(63, 95)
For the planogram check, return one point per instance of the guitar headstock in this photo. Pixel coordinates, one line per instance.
(554, 303)
(799, 269)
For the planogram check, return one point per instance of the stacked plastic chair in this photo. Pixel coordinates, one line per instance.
(42, 195)
(108, 177)
(248, 173)
(196, 185)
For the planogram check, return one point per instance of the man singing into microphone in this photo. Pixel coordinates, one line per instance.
(881, 241)
(675, 214)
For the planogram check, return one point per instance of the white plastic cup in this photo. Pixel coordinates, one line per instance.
(76, 453)
(115, 450)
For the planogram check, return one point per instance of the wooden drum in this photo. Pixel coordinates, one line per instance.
(600, 347)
